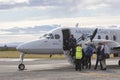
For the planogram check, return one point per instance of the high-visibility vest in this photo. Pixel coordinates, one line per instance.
(78, 52)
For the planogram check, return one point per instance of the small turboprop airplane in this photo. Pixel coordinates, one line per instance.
(54, 41)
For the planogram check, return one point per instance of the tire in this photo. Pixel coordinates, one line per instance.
(21, 66)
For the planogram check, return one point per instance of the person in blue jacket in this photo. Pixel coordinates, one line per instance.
(89, 52)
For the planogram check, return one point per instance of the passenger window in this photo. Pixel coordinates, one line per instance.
(99, 37)
(57, 36)
(114, 37)
(106, 37)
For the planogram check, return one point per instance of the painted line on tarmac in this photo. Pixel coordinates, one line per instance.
(16, 59)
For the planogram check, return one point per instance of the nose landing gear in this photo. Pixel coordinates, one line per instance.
(21, 66)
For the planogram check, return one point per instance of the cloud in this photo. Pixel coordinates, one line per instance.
(17, 34)
(54, 9)
(9, 4)
(29, 3)
(29, 30)
(68, 4)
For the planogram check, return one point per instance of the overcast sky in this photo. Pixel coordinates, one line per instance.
(30, 13)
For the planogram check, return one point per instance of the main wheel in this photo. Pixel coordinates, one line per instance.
(21, 66)
(119, 62)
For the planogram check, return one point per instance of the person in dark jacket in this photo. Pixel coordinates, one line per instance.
(100, 56)
(72, 45)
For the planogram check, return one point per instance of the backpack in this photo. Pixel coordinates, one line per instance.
(89, 50)
(100, 54)
(72, 42)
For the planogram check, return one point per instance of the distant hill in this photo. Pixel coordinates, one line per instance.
(9, 46)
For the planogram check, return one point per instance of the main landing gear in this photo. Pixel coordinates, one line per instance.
(21, 66)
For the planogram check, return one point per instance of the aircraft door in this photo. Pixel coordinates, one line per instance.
(66, 35)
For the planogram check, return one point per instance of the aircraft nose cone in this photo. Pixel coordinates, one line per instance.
(20, 47)
(29, 47)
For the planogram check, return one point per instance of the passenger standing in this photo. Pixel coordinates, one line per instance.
(89, 53)
(106, 55)
(72, 45)
(84, 56)
(107, 50)
(100, 53)
(78, 57)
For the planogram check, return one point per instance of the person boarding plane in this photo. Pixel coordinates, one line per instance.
(55, 42)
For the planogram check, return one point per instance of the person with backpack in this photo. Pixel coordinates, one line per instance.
(106, 51)
(84, 64)
(100, 56)
(89, 52)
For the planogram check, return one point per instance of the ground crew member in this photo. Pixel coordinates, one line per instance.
(78, 57)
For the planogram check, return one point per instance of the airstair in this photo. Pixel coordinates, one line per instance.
(69, 57)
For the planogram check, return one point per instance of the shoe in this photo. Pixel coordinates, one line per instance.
(95, 68)
(89, 67)
(80, 70)
(76, 69)
(104, 69)
(82, 67)
(86, 67)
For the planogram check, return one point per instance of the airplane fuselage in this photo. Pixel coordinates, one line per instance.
(53, 42)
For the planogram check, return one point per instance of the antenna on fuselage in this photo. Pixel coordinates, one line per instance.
(77, 24)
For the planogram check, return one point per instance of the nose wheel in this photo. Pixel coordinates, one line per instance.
(21, 66)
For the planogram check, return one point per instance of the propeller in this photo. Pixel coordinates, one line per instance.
(94, 34)
(83, 37)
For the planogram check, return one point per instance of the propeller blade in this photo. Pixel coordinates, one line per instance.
(93, 35)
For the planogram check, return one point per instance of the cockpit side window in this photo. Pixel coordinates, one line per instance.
(51, 36)
(57, 36)
(48, 36)
(44, 35)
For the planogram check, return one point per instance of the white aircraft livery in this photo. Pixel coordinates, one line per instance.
(54, 41)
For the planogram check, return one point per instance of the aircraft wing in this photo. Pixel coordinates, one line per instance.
(110, 43)
(113, 45)
(116, 48)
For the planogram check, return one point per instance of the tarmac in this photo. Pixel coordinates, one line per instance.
(56, 69)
